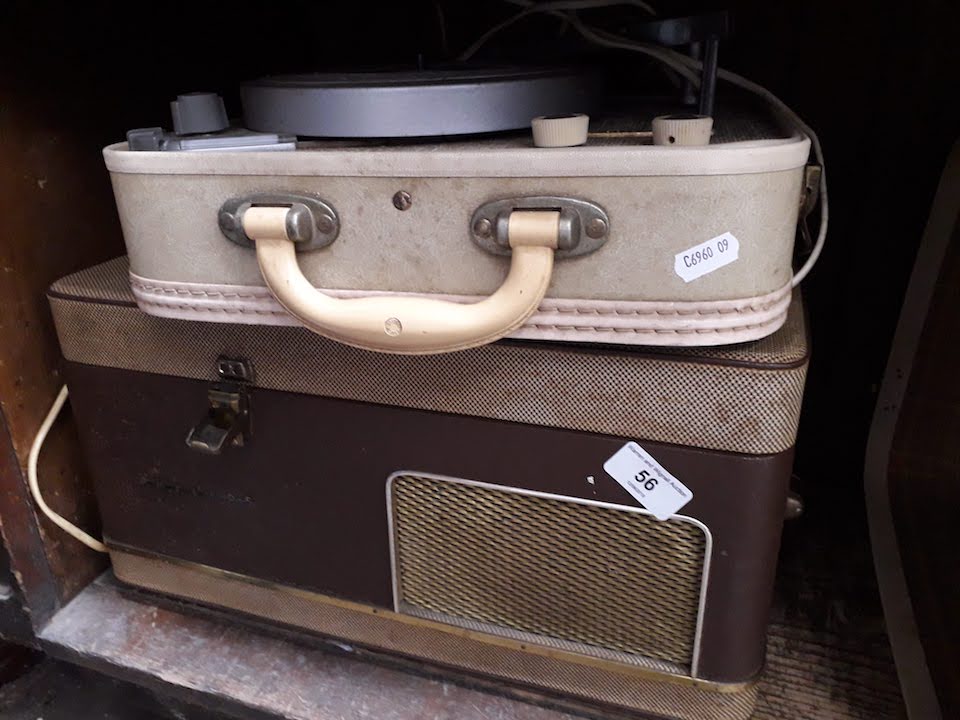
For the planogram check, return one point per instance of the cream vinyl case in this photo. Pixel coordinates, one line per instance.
(430, 212)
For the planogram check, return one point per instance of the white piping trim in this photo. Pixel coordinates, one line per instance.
(622, 322)
(708, 535)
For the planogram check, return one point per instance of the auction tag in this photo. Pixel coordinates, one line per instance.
(706, 257)
(644, 478)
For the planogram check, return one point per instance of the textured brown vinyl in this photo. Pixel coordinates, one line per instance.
(303, 503)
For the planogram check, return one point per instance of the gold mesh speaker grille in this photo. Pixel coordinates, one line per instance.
(744, 398)
(594, 681)
(593, 575)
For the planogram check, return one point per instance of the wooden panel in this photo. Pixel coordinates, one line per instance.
(924, 481)
(21, 533)
(58, 218)
(14, 621)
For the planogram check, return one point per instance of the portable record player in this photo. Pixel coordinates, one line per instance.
(414, 212)
(592, 520)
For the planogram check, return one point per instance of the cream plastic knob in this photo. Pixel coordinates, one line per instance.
(682, 129)
(560, 130)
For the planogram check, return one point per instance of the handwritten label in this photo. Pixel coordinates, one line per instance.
(646, 479)
(706, 257)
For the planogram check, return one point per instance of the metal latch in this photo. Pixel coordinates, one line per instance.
(227, 421)
(584, 226)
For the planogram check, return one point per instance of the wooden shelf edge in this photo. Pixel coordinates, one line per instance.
(233, 668)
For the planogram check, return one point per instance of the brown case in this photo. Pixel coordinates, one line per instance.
(449, 508)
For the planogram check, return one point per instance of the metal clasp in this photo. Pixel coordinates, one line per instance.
(227, 421)
(584, 226)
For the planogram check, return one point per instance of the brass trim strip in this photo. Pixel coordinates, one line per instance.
(527, 647)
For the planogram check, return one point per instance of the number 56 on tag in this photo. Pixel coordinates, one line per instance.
(650, 484)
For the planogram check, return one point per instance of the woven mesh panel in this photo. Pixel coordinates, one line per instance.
(109, 281)
(743, 398)
(665, 696)
(593, 575)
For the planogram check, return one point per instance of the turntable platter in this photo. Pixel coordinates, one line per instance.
(413, 104)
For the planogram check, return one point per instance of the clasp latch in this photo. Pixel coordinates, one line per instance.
(227, 421)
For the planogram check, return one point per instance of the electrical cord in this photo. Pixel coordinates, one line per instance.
(757, 89)
(583, 4)
(557, 8)
(671, 58)
(34, 482)
(482, 40)
(685, 66)
(677, 58)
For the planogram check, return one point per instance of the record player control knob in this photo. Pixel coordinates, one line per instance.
(198, 113)
(560, 130)
(682, 129)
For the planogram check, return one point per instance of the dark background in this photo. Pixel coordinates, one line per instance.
(876, 80)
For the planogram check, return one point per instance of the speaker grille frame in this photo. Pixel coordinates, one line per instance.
(663, 665)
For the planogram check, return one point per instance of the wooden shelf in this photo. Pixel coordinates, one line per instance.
(833, 669)
(233, 668)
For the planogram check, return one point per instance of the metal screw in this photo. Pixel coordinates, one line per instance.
(326, 224)
(402, 200)
(596, 228)
(227, 222)
(392, 327)
(483, 228)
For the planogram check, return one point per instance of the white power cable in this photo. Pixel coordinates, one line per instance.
(582, 4)
(556, 8)
(686, 66)
(482, 40)
(753, 87)
(733, 78)
(35, 449)
(672, 59)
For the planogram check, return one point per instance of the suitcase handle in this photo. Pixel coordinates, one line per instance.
(410, 325)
